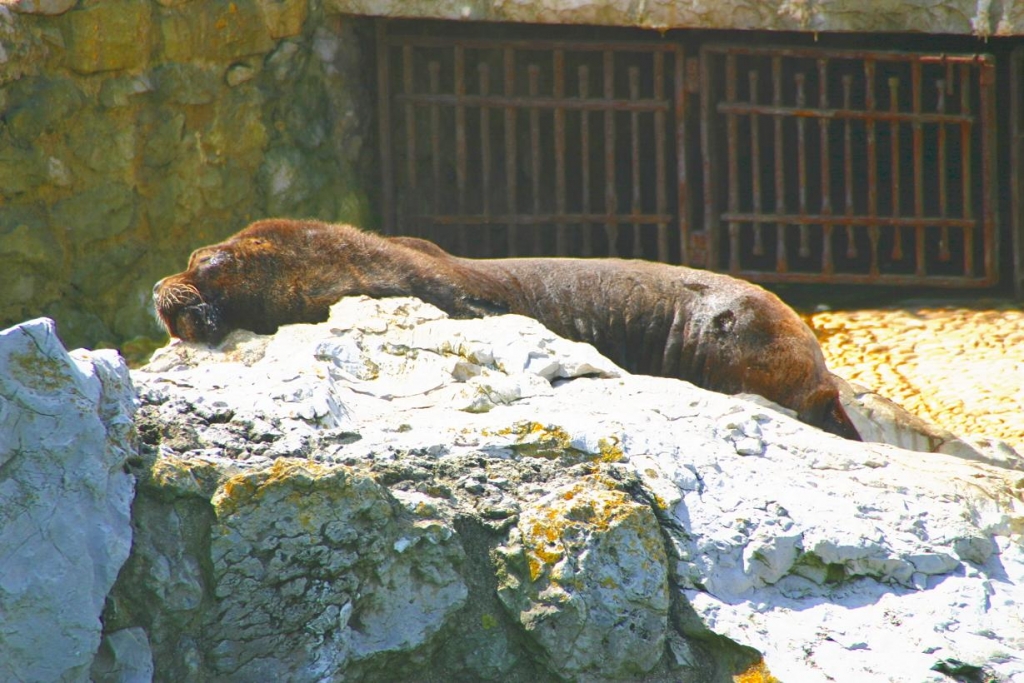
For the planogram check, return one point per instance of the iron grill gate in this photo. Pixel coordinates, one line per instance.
(799, 164)
(1017, 168)
(533, 147)
(849, 166)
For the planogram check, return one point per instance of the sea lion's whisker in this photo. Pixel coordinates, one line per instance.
(178, 294)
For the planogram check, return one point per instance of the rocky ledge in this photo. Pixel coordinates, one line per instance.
(393, 495)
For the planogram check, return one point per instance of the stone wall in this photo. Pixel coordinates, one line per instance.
(981, 18)
(132, 131)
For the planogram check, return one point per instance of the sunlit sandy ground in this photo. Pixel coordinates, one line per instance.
(961, 368)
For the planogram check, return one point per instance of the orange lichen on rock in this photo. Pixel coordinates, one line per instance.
(757, 673)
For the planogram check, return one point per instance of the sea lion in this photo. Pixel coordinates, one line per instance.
(718, 332)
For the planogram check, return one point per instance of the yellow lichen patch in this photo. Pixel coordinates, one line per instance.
(250, 487)
(576, 513)
(610, 450)
(185, 476)
(536, 440)
(758, 673)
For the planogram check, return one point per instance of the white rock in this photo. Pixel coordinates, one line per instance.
(65, 434)
(835, 559)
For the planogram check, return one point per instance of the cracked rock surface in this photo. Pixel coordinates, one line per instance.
(65, 434)
(392, 495)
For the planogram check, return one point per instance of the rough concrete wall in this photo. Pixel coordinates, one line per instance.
(133, 131)
(964, 17)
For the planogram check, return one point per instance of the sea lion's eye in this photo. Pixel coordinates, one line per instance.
(217, 258)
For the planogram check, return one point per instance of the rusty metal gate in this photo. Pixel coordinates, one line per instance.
(776, 164)
(1017, 167)
(511, 147)
(849, 166)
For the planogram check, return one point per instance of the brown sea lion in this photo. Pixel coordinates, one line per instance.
(718, 332)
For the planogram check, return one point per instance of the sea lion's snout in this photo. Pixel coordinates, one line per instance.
(199, 323)
(182, 309)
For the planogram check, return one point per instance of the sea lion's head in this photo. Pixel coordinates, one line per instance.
(261, 278)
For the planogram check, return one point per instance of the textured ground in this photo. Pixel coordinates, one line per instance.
(959, 366)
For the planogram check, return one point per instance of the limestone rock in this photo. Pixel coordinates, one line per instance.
(314, 567)
(41, 105)
(42, 6)
(66, 432)
(392, 495)
(124, 657)
(880, 420)
(964, 17)
(586, 574)
(219, 30)
(284, 17)
(567, 508)
(108, 35)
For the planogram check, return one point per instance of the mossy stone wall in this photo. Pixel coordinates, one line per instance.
(133, 131)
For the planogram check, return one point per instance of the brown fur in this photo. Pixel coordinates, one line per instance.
(651, 318)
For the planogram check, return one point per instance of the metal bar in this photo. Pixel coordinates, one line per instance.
(869, 103)
(568, 103)
(541, 218)
(965, 169)
(533, 83)
(634, 121)
(846, 54)
(384, 129)
(649, 47)
(851, 244)
(919, 235)
(509, 60)
(540, 102)
(434, 70)
(682, 188)
(731, 135)
(561, 233)
(798, 112)
(755, 164)
(660, 200)
(801, 165)
(858, 279)
(538, 45)
(611, 228)
(707, 156)
(484, 75)
(584, 78)
(781, 257)
(941, 171)
(894, 179)
(827, 264)
(410, 118)
(1016, 175)
(460, 143)
(812, 219)
(990, 236)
